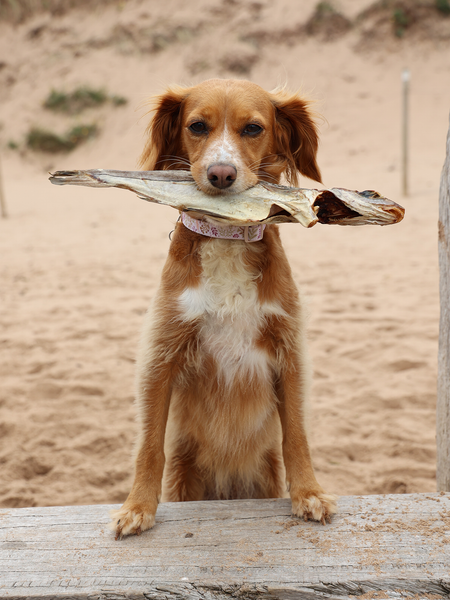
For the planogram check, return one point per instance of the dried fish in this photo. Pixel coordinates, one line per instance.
(263, 203)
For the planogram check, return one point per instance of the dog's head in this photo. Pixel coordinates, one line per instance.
(231, 134)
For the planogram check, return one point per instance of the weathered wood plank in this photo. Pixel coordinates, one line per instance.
(443, 395)
(397, 545)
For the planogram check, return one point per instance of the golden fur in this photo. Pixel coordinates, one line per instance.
(222, 372)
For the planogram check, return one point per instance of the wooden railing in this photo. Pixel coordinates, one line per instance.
(395, 546)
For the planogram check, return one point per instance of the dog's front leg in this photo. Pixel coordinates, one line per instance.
(138, 512)
(308, 498)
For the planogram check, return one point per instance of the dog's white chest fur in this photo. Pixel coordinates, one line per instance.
(230, 314)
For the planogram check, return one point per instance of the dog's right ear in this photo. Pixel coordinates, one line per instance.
(164, 145)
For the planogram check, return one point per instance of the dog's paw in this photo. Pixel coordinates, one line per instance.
(129, 522)
(314, 506)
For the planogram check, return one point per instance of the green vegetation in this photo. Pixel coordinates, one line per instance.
(324, 8)
(118, 100)
(72, 103)
(327, 22)
(401, 21)
(80, 99)
(46, 141)
(443, 6)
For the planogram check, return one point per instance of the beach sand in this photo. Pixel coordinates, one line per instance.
(79, 266)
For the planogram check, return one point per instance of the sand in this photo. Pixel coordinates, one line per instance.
(78, 266)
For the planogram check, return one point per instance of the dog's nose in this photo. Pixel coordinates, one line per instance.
(222, 176)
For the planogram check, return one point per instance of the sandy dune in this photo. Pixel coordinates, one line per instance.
(79, 266)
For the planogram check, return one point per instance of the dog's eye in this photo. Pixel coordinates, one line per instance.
(252, 129)
(198, 127)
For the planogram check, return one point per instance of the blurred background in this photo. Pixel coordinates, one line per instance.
(78, 266)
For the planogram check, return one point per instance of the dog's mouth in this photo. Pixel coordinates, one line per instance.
(236, 188)
(222, 182)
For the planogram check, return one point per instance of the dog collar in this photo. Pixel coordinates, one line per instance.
(249, 233)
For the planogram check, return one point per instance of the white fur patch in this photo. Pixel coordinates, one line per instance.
(273, 309)
(223, 150)
(230, 314)
(193, 303)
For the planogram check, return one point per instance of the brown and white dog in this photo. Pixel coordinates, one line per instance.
(222, 372)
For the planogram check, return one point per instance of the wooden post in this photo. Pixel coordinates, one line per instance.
(3, 211)
(443, 391)
(392, 547)
(405, 130)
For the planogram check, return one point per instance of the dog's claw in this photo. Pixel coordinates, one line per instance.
(131, 522)
(314, 506)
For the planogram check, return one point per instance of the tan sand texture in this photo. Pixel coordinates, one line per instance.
(78, 266)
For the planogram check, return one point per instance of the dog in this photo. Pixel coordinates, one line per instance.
(222, 369)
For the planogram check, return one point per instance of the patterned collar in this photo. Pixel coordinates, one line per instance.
(250, 233)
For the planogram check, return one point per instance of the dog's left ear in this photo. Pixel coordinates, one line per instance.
(296, 137)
